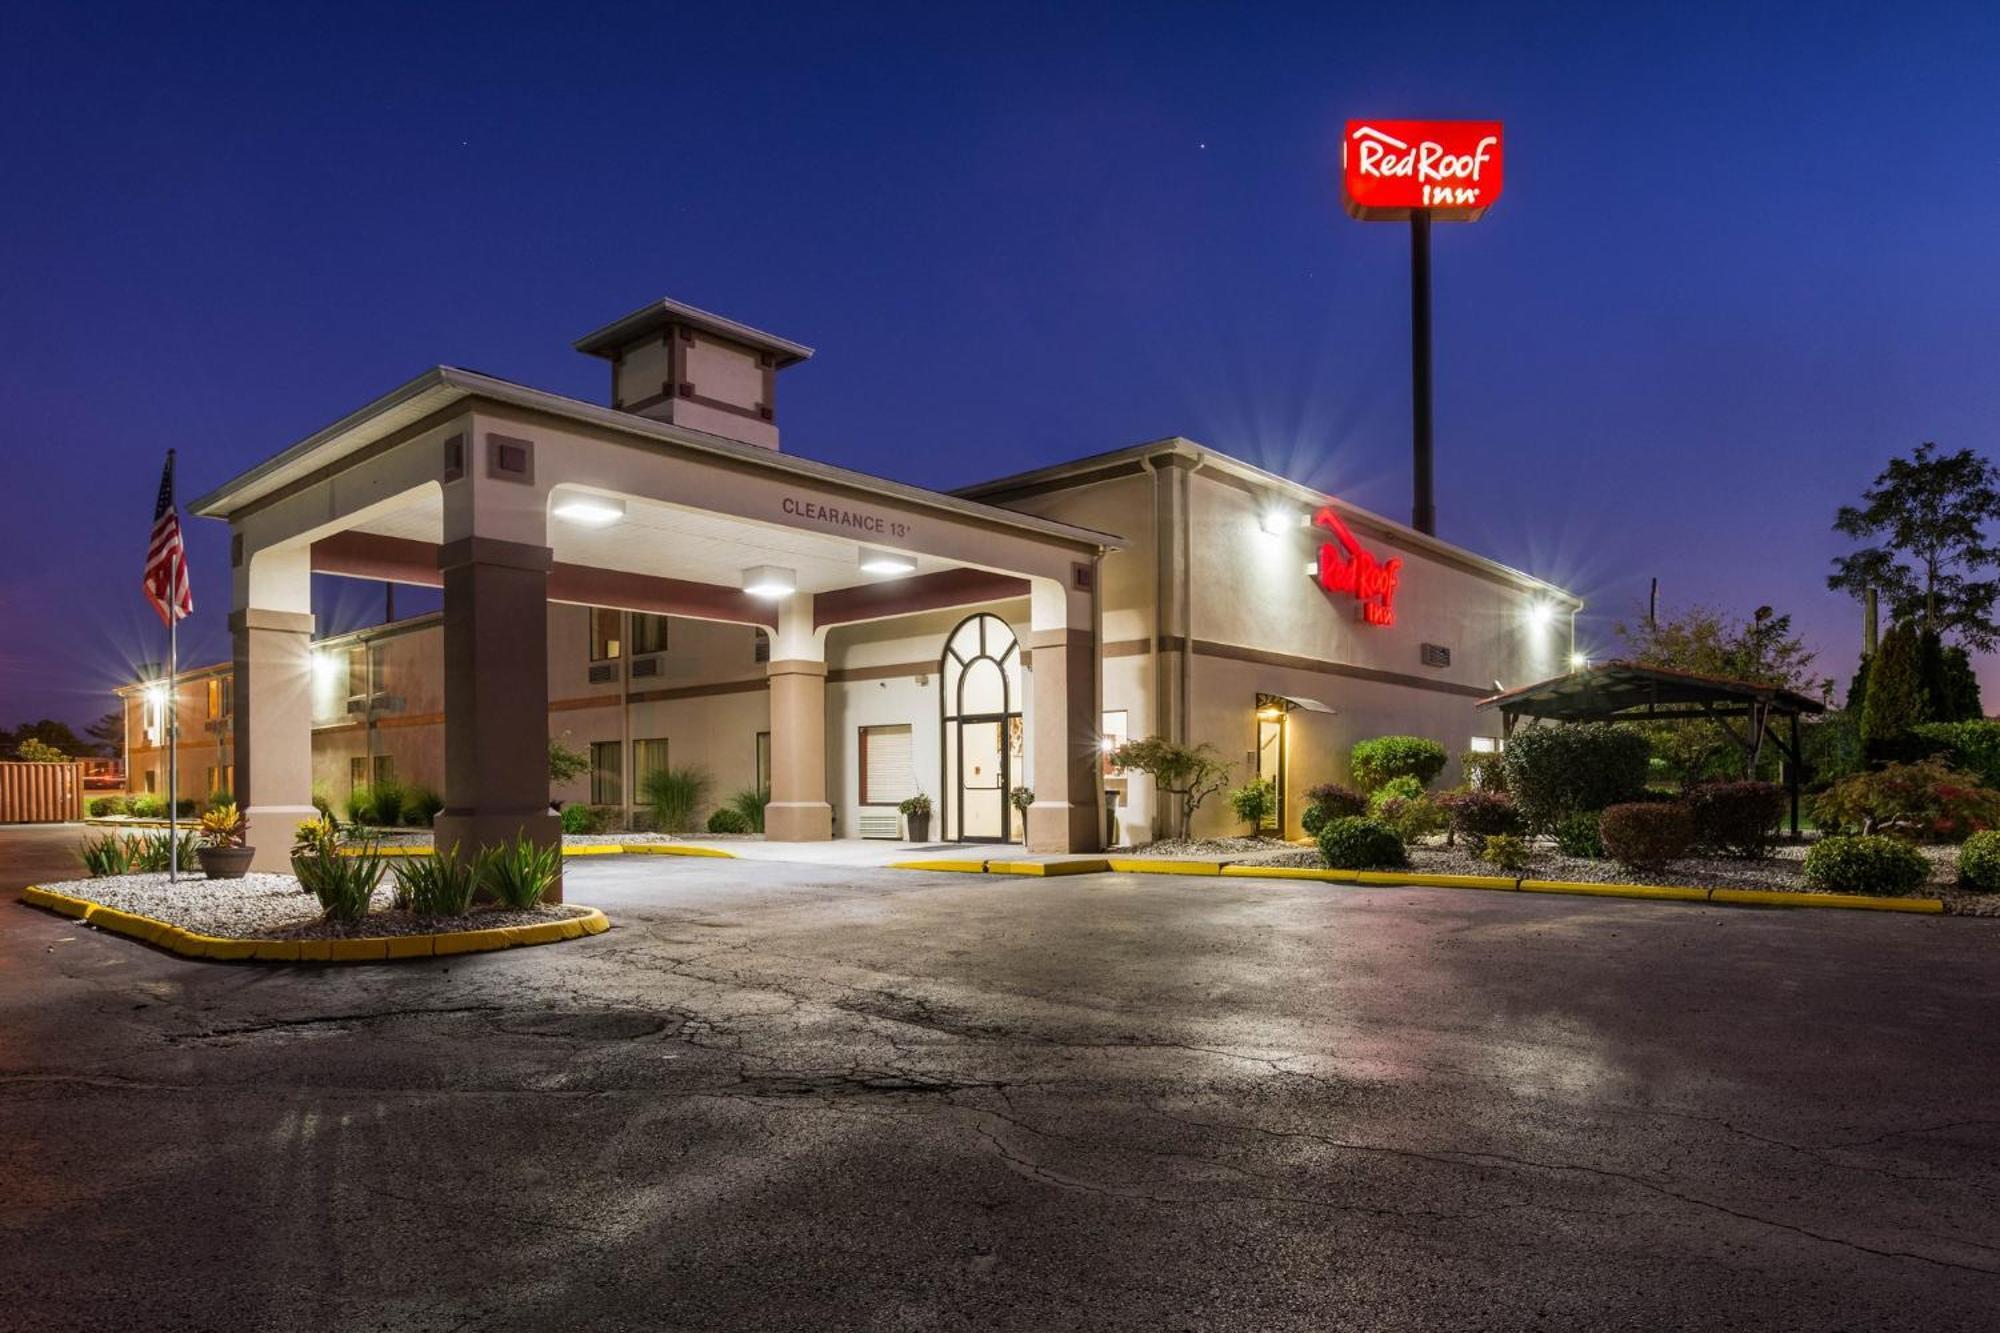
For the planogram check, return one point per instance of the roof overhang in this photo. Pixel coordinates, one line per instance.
(1635, 692)
(446, 387)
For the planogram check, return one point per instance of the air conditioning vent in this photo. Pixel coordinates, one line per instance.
(604, 673)
(1435, 655)
(881, 826)
(645, 666)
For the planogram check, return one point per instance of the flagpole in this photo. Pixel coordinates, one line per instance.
(173, 734)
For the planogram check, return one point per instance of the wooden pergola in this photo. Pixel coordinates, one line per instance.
(1747, 711)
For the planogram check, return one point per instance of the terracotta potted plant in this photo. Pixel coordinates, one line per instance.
(917, 814)
(222, 853)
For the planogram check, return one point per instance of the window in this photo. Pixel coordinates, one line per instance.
(648, 756)
(221, 696)
(607, 776)
(1488, 745)
(152, 780)
(1113, 730)
(887, 775)
(605, 643)
(649, 633)
(763, 759)
(357, 678)
(357, 772)
(385, 769)
(761, 651)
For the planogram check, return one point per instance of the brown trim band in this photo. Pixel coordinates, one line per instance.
(1234, 653)
(889, 671)
(673, 693)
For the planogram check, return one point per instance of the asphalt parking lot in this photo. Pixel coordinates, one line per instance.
(796, 1097)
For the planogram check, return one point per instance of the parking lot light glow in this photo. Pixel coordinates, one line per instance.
(1275, 520)
(1577, 661)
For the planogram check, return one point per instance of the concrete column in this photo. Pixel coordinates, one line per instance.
(496, 695)
(272, 656)
(798, 811)
(1067, 815)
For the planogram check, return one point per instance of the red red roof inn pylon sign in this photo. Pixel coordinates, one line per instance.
(1451, 170)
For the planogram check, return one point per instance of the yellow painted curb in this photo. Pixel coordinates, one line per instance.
(962, 866)
(675, 849)
(1316, 873)
(367, 949)
(1659, 892)
(1143, 865)
(592, 849)
(1862, 901)
(1419, 880)
(1087, 865)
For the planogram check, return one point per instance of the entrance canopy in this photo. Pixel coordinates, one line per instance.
(1631, 692)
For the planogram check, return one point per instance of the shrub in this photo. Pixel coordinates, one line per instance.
(1404, 788)
(106, 856)
(1374, 762)
(676, 795)
(580, 819)
(152, 853)
(434, 886)
(421, 805)
(1865, 863)
(222, 826)
(1567, 770)
(1979, 863)
(1485, 770)
(35, 750)
(1255, 802)
(518, 873)
(1647, 834)
(1508, 852)
(750, 803)
(360, 806)
(1413, 818)
(1479, 815)
(1354, 843)
(218, 797)
(1926, 798)
(344, 885)
(727, 820)
(1736, 818)
(1577, 835)
(322, 804)
(148, 807)
(101, 806)
(388, 803)
(1336, 801)
(1973, 747)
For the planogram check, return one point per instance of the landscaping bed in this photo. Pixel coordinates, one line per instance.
(274, 907)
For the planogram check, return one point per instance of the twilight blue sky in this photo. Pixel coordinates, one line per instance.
(1744, 255)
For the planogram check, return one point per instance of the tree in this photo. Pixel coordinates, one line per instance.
(1193, 773)
(108, 732)
(34, 751)
(565, 763)
(48, 731)
(1895, 700)
(1927, 516)
(1707, 641)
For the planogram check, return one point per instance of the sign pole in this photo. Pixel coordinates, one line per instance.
(1424, 510)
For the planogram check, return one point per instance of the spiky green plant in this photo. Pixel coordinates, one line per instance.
(105, 856)
(344, 884)
(440, 885)
(518, 873)
(750, 803)
(676, 795)
(152, 853)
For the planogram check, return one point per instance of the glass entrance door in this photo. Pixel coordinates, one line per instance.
(982, 769)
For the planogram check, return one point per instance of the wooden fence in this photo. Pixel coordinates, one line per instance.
(40, 793)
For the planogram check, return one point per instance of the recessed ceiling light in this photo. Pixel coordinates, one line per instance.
(594, 510)
(770, 581)
(876, 561)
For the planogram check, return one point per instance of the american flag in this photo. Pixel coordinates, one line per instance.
(166, 581)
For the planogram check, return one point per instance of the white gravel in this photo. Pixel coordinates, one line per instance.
(273, 907)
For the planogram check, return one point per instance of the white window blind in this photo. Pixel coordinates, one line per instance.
(888, 774)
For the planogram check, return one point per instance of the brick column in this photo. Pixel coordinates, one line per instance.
(496, 696)
(272, 656)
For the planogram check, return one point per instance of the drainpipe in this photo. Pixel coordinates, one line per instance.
(625, 756)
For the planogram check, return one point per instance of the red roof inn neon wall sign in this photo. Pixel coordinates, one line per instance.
(1450, 168)
(1346, 566)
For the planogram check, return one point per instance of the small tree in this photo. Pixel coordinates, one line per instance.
(1929, 514)
(1895, 699)
(1255, 802)
(565, 764)
(36, 751)
(1190, 773)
